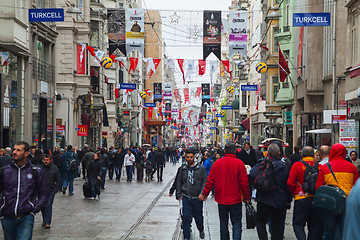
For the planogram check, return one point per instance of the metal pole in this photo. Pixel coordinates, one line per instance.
(334, 57)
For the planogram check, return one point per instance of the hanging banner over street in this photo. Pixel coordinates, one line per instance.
(186, 95)
(116, 30)
(80, 59)
(205, 90)
(212, 34)
(238, 24)
(311, 19)
(157, 92)
(167, 92)
(135, 30)
(167, 109)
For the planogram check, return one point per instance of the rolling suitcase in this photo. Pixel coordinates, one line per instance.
(87, 190)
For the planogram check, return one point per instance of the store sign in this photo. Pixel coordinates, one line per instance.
(213, 128)
(226, 107)
(311, 19)
(46, 15)
(131, 86)
(342, 103)
(339, 118)
(353, 109)
(288, 118)
(348, 128)
(249, 88)
(82, 130)
(150, 104)
(348, 142)
(59, 128)
(220, 115)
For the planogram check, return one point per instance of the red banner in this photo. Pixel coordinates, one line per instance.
(150, 112)
(283, 66)
(186, 95)
(300, 50)
(198, 92)
(181, 63)
(202, 67)
(177, 94)
(212, 94)
(80, 59)
(82, 130)
(133, 64)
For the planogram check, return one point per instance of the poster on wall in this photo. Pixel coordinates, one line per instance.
(238, 24)
(135, 30)
(212, 34)
(116, 30)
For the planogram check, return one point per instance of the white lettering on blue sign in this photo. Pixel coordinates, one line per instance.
(311, 19)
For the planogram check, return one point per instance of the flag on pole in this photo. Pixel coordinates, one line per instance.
(202, 67)
(133, 64)
(181, 65)
(284, 68)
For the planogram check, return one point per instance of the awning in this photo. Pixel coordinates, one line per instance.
(246, 123)
(235, 104)
(319, 131)
(355, 71)
(93, 72)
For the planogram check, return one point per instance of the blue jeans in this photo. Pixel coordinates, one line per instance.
(103, 175)
(192, 208)
(118, 173)
(235, 216)
(47, 210)
(18, 229)
(333, 225)
(95, 187)
(69, 180)
(129, 172)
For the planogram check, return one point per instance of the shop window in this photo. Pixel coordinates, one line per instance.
(94, 37)
(110, 90)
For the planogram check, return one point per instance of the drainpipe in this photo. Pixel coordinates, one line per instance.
(334, 57)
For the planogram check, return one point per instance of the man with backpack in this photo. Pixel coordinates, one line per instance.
(342, 174)
(160, 164)
(301, 183)
(69, 165)
(269, 177)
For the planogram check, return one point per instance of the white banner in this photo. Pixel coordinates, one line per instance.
(238, 25)
(135, 30)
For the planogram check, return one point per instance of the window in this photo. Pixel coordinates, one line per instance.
(109, 89)
(353, 48)
(287, 17)
(80, 5)
(94, 39)
(275, 88)
(237, 71)
(275, 46)
(40, 4)
(243, 99)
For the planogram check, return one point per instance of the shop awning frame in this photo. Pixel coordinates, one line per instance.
(320, 131)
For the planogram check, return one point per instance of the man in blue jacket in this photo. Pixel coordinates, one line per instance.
(68, 175)
(24, 193)
(207, 163)
(272, 204)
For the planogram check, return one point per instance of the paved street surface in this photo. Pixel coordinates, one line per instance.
(129, 211)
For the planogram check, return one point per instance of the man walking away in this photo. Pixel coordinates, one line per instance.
(7, 159)
(53, 181)
(324, 154)
(104, 162)
(228, 176)
(68, 162)
(24, 193)
(140, 165)
(303, 193)
(296, 156)
(111, 162)
(272, 203)
(81, 155)
(346, 175)
(189, 185)
(118, 162)
(86, 160)
(160, 164)
(151, 159)
(129, 160)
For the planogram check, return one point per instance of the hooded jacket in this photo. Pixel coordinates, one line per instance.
(191, 181)
(345, 172)
(19, 190)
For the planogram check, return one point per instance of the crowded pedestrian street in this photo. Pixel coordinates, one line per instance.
(131, 211)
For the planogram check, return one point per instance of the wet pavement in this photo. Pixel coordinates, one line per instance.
(130, 211)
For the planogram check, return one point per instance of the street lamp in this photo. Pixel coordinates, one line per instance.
(273, 15)
(73, 9)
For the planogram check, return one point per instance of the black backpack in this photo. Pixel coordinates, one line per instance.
(265, 176)
(310, 177)
(72, 164)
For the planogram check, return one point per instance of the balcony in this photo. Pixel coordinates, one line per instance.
(43, 71)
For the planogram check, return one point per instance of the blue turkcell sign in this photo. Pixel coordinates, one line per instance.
(211, 134)
(311, 19)
(173, 127)
(46, 15)
(249, 87)
(226, 107)
(150, 104)
(213, 128)
(131, 86)
(219, 115)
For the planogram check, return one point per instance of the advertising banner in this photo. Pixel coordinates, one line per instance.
(167, 109)
(205, 90)
(116, 30)
(80, 59)
(238, 24)
(212, 34)
(82, 130)
(157, 92)
(167, 91)
(186, 95)
(311, 19)
(135, 30)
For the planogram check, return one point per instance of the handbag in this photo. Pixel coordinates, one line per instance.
(330, 198)
(250, 216)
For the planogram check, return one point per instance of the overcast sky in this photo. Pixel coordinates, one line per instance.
(188, 4)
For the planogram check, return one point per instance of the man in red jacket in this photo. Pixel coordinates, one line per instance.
(228, 176)
(304, 212)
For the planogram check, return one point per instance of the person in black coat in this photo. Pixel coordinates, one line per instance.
(6, 159)
(296, 156)
(160, 164)
(140, 165)
(104, 162)
(247, 155)
(118, 162)
(93, 175)
(111, 162)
